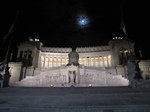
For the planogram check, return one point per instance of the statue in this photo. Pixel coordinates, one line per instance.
(73, 57)
(131, 73)
(134, 74)
(138, 75)
(72, 66)
(72, 77)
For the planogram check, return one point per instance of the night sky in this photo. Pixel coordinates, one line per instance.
(55, 22)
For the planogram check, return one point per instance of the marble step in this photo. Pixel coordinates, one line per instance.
(109, 99)
(48, 108)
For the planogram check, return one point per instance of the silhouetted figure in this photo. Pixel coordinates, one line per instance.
(73, 57)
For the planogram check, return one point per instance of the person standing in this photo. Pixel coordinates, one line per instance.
(1, 78)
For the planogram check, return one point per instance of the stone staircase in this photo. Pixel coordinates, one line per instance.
(34, 81)
(52, 68)
(74, 99)
(52, 76)
(143, 83)
(111, 80)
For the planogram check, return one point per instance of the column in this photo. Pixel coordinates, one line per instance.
(98, 61)
(90, 62)
(94, 64)
(86, 61)
(52, 61)
(27, 54)
(44, 62)
(125, 57)
(60, 60)
(39, 61)
(107, 61)
(48, 60)
(100, 65)
(110, 61)
(57, 61)
(103, 61)
(65, 60)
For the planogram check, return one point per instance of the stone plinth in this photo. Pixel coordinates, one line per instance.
(72, 74)
(77, 76)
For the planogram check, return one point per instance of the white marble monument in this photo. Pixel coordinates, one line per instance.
(62, 67)
(74, 74)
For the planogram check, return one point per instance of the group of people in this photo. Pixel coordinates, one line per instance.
(2, 72)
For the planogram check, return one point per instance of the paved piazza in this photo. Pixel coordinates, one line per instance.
(74, 99)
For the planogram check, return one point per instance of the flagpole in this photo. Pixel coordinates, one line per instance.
(6, 74)
(9, 44)
(122, 24)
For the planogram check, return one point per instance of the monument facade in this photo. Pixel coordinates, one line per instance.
(62, 67)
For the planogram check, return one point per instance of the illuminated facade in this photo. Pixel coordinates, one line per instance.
(33, 53)
(95, 59)
(46, 66)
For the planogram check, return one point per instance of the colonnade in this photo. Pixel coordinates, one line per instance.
(95, 61)
(53, 61)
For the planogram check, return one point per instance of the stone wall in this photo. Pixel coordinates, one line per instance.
(144, 66)
(111, 70)
(15, 71)
(121, 70)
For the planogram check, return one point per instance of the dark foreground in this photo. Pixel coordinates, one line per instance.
(74, 99)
